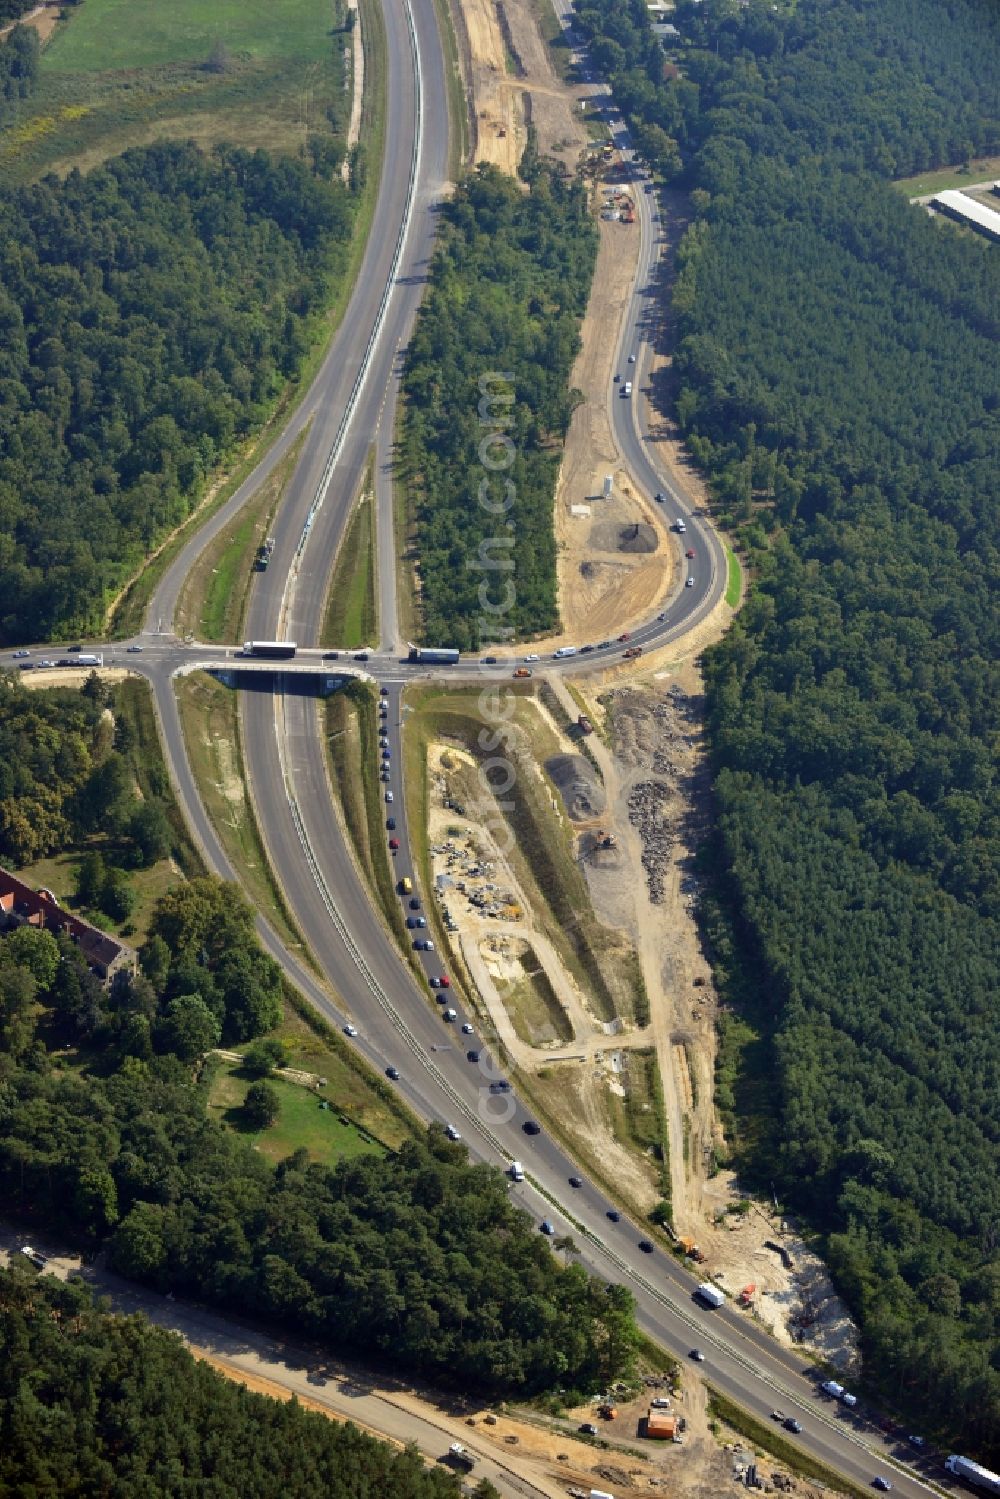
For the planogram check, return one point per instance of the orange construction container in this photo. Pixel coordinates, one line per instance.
(660, 1426)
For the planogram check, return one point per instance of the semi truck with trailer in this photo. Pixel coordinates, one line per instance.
(434, 655)
(974, 1473)
(270, 650)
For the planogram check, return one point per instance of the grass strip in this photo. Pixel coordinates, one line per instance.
(216, 592)
(552, 34)
(349, 1078)
(350, 619)
(734, 578)
(459, 103)
(209, 715)
(766, 1437)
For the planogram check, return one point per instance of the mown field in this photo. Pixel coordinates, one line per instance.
(121, 73)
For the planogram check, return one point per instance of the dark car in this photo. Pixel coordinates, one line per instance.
(697, 1355)
(792, 1425)
(576, 1181)
(614, 1215)
(414, 904)
(74, 647)
(472, 1056)
(383, 692)
(531, 1128)
(883, 1484)
(392, 1072)
(918, 1442)
(390, 823)
(589, 1429)
(331, 655)
(646, 1246)
(411, 922)
(503, 1086)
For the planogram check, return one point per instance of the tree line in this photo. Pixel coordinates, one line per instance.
(92, 1403)
(838, 379)
(150, 311)
(105, 1138)
(509, 284)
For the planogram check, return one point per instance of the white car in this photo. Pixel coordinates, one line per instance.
(468, 1030)
(532, 656)
(452, 1132)
(689, 583)
(350, 1030)
(389, 798)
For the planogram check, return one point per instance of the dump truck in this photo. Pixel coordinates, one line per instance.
(747, 1294)
(633, 652)
(691, 1249)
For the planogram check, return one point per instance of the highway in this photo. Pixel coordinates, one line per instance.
(444, 1073)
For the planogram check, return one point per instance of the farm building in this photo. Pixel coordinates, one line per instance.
(967, 211)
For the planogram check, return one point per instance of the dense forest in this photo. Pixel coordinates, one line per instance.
(509, 284)
(838, 377)
(149, 312)
(126, 1410)
(105, 1139)
(18, 69)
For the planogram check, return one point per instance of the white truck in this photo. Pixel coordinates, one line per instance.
(837, 1392)
(516, 1171)
(710, 1294)
(973, 1473)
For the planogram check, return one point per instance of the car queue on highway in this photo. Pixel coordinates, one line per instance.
(436, 1058)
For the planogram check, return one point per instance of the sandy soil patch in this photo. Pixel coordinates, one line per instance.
(551, 106)
(498, 127)
(513, 84)
(68, 676)
(664, 789)
(43, 19)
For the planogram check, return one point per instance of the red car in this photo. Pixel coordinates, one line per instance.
(689, 552)
(394, 844)
(625, 636)
(445, 981)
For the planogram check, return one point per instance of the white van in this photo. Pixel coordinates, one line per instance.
(627, 389)
(565, 650)
(516, 1171)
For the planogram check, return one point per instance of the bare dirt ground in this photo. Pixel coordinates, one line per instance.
(499, 125)
(658, 806)
(513, 83)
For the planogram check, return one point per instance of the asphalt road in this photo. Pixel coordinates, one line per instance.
(367, 978)
(375, 1401)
